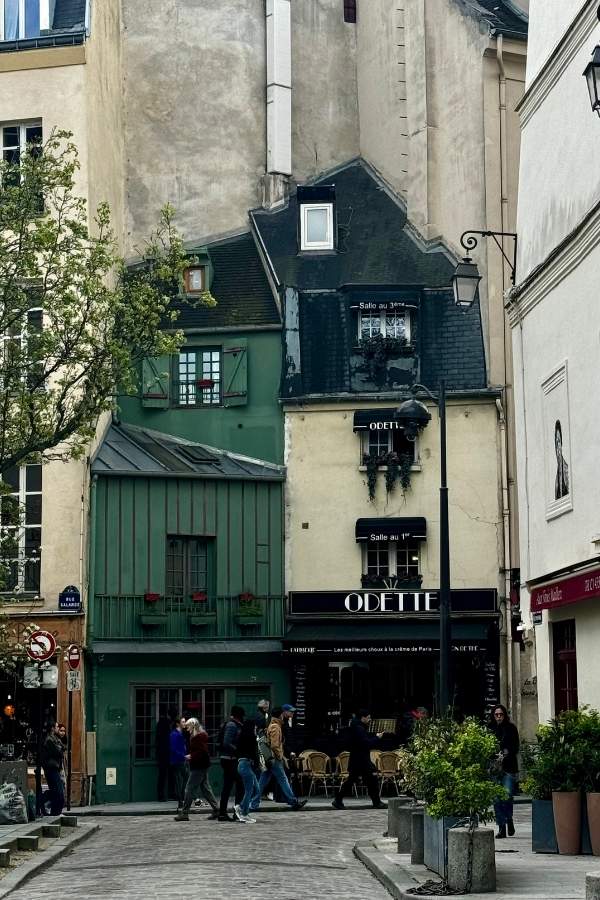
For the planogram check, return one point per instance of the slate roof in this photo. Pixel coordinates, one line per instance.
(375, 240)
(239, 286)
(502, 16)
(130, 450)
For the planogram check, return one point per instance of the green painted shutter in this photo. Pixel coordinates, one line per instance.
(235, 372)
(155, 381)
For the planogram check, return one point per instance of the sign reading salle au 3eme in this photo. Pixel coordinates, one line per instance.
(387, 601)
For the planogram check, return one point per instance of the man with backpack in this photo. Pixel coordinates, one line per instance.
(272, 753)
(228, 750)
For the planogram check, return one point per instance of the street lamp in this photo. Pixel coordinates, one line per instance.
(466, 277)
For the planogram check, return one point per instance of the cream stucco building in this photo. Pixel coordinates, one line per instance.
(555, 326)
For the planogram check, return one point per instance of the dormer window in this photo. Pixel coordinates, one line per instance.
(21, 19)
(195, 279)
(316, 226)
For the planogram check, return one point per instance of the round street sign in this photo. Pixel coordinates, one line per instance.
(73, 656)
(41, 646)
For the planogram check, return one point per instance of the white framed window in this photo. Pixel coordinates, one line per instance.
(16, 361)
(199, 377)
(391, 559)
(22, 19)
(379, 442)
(390, 323)
(316, 226)
(16, 136)
(21, 529)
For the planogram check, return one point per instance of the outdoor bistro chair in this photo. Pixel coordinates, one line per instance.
(318, 769)
(375, 754)
(387, 769)
(341, 769)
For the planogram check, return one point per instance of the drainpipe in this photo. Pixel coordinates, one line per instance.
(90, 605)
(506, 627)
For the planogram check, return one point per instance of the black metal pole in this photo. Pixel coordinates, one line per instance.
(69, 758)
(38, 767)
(445, 621)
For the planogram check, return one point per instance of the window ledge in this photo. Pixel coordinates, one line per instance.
(416, 467)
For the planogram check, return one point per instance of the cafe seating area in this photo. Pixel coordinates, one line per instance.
(317, 773)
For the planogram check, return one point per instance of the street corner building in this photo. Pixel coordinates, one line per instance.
(369, 315)
(187, 607)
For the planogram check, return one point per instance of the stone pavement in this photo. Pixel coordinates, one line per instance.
(521, 874)
(303, 855)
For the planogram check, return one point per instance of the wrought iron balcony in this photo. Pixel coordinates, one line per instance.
(152, 617)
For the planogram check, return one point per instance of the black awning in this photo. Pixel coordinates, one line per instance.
(399, 529)
(364, 418)
(387, 632)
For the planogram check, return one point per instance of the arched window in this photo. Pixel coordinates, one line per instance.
(349, 10)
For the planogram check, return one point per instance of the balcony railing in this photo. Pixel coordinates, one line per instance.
(127, 618)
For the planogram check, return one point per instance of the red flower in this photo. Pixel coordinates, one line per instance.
(151, 598)
(199, 597)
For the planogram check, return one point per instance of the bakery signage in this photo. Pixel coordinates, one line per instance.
(387, 602)
(569, 590)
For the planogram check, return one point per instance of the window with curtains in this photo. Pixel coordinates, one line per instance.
(349, 10)
(19, 19)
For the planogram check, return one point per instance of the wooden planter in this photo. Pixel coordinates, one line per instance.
(153, 621)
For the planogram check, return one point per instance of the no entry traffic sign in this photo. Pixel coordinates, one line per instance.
(41, 646)
(73, 656)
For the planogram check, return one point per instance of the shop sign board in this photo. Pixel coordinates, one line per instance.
(73, 680)
(415, 648)
(358, 604)
(566, 591)
(41, 646)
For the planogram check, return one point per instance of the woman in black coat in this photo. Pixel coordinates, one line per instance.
(508, 738)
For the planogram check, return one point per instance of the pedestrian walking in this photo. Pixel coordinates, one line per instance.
(262, 716)
(275, 765)
(199, 764)
(508, 737)
(177, 761)
(52, 763)
(359, 763)
(247, 767)
(228, 749)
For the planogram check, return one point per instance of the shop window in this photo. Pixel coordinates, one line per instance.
(565, 666)
(205, 704)
(198, 381)
(393, 324)
(389, 563)
(21, 530)
(187, 566)
(379, 442)
(20, 19)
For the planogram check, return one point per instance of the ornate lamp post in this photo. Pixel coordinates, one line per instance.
(466, 276)
(592, 76)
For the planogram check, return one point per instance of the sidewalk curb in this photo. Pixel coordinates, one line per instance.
(43, 859)
(98, 812)
(384, 871)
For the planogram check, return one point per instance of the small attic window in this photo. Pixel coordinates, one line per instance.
(194, 278)
(316, 226)
(350, 11)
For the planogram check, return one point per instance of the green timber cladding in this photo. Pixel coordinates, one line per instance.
(187, 606)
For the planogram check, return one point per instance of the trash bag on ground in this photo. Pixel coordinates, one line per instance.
(13, 809)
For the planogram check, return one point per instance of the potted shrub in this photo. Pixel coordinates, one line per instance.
(591, 736)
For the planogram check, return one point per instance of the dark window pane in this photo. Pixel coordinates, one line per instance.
(145, 722)
(33, 509)
(32, 575)
(11, 477)
(34, 320)
(10, 136)
(33, 541)
(10, 511)
(34, 478)
(349, 10)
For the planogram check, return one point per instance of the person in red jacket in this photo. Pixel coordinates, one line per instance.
(199, 761)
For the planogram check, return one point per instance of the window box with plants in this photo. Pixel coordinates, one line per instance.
(392, 582)
(250, 610)
(563, 775)
(378, 349)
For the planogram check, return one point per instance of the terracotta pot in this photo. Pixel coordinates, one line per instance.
(593, 811)
(566, 806)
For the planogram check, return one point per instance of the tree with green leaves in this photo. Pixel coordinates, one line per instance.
(75, 321)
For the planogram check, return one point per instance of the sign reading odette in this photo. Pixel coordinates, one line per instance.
(391, 602)
(568, 590)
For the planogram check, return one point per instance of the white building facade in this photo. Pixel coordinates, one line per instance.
(555, 321)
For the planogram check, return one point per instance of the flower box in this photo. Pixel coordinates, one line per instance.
(199, 597)
(150, 597)
(202, 621)
(156, 621)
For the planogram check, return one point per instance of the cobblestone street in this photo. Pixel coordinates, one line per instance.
(285, 856)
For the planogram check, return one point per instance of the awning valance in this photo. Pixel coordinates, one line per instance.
(375, 420)
(398, 529)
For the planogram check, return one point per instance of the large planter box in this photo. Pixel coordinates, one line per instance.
(435, 845)
(543, 832)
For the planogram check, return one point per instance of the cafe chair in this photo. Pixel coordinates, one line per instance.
(387, 770)
(375, 754)
(318, 770)
(341, 769)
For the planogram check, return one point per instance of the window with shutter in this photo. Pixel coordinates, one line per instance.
(235, 371)
(155, 382)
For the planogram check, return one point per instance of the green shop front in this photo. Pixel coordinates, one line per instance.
(187, 608)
